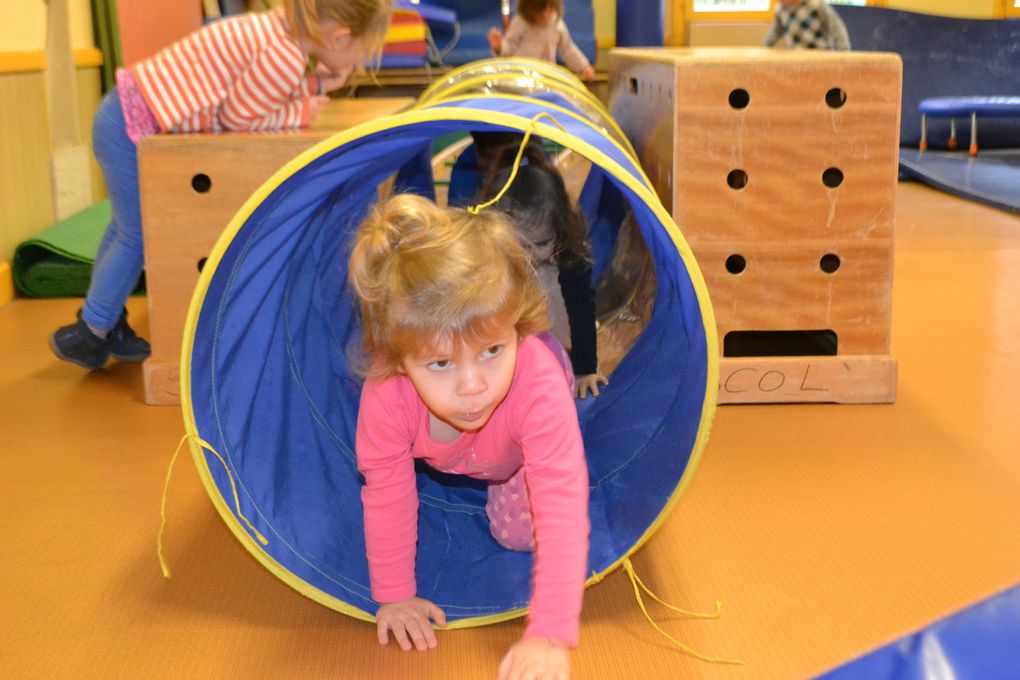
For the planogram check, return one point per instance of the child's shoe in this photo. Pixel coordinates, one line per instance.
(125, 345)
(79, 345)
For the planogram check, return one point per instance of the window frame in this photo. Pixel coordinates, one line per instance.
(765, 15)
(736, 15)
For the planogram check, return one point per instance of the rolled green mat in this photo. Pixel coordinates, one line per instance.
(58, 261)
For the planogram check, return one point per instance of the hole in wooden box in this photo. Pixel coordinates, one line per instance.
(201, 183)
(739, 98)
(737, 179)
(835, 98)
(780, 343)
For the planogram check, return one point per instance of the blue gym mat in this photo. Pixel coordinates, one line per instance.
(978, 643)
(992, 177)
(944, 57)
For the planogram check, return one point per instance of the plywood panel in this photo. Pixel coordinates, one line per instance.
(784, 288)
(182, 224)
(777, 158)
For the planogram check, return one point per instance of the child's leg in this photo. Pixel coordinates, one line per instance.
(120, 257)
(509, 513)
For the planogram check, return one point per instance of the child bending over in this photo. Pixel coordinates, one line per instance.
(463, 377)
(553, 232)
(538, 30)
(246, 72)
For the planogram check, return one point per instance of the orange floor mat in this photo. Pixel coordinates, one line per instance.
(825, 530)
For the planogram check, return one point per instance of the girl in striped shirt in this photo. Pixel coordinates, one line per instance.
(248, 72)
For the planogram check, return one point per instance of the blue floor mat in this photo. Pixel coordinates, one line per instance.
(992, 177)
(977, 643)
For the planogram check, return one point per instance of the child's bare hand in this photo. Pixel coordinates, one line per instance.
(536, 658)
(585, 383)
(317, 103)
(333, 80)
(495, 40)
(410, 622)
(587, 74)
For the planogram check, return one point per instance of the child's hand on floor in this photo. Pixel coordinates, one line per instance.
(585, 383)
(409, 618)
(536, 658)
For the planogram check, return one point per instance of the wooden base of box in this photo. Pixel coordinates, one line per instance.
(826, 379)
(162, 382)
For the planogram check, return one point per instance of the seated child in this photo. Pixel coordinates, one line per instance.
(537, 31)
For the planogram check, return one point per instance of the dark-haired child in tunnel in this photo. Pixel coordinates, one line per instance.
(554, 233)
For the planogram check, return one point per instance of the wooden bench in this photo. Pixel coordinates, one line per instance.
(955, 107)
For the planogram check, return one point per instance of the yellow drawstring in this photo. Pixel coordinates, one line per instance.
(166, 488)
(639, 586)
(475, 209)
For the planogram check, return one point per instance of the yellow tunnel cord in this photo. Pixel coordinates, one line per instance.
(475, 209)
(166, 488)
(639, 586)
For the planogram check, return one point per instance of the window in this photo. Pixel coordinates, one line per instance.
(739, 10)
(732, 5)
(761, 10)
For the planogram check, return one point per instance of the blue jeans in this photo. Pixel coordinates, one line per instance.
(120, 258)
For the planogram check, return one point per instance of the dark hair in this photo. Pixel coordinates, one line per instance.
(531, 10)
(539, 196)
(490, 147)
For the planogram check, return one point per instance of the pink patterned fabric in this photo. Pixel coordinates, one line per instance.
(138, 119)
(509, 513)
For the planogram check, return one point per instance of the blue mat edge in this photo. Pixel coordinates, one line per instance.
(976, 642)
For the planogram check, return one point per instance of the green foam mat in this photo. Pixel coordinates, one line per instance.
(58, 261)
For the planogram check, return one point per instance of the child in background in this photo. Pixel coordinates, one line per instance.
(553, 232)
(538, 30)
(243, 73)
(808, 23)
(463, 376)
(479, 162)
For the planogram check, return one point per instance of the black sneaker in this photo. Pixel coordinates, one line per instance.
(79, 345)
(126, 345)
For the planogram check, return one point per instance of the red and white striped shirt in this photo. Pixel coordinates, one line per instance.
(242, 73)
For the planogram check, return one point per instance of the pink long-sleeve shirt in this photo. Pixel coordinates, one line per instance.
(535, 426)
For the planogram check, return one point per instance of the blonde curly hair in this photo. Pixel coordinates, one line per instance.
(367, 20)
(426, 275)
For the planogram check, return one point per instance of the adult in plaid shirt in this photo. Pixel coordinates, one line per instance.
(808, 23)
